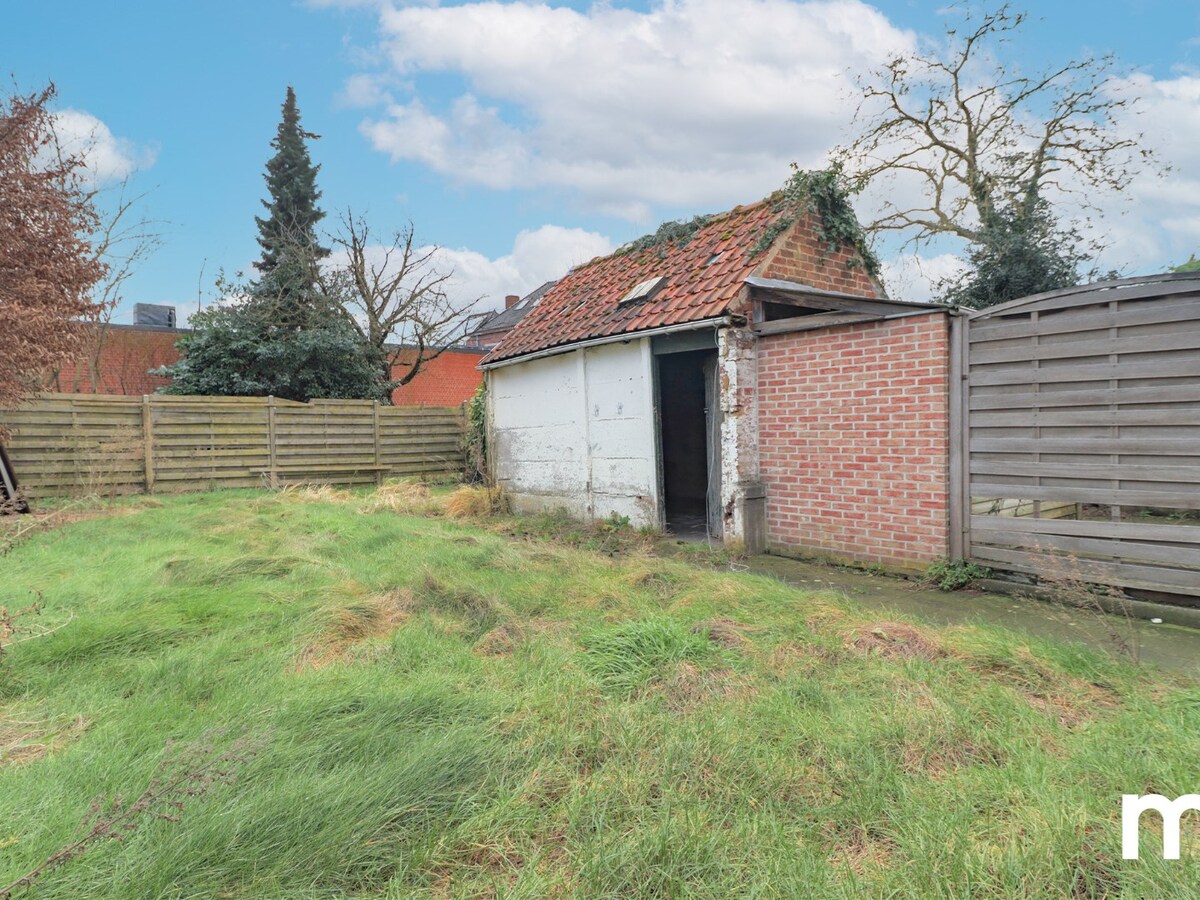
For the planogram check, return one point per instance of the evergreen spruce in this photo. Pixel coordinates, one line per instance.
(283, 337)
(291, 249)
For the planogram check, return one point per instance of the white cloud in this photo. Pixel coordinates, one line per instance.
(912, 277)
(108, 158)
(1156, 221)
(701, 104)
(539, 255)
(693, 103)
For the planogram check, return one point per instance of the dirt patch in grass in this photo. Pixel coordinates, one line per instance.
(1070, 700)
(943, 754)
(1096, 872)
(859, 849)
(501, 641)
(477, 612)
(558, 528)
(894, 640)
(724, 633)
(792, 657)
(24, 740)
(347, 627)
(203, 571)
(660, 584)
(688, 686)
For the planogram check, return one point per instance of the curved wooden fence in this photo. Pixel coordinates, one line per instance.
(74, 443)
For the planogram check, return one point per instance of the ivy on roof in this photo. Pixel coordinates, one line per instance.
(675, 232)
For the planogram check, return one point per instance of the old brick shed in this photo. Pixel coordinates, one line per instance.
(735, 378)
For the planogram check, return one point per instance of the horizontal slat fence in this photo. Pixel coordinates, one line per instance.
(1089, 401)
(64, 444)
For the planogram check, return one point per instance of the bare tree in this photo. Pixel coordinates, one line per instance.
(48, 264)
(123, 241)
(981, 137)
(396, 296)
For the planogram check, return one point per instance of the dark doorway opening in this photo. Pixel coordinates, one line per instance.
(688, 426)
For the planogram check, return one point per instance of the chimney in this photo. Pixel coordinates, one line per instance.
(511, 300)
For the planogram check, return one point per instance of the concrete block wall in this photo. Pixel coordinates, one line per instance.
(854, 440)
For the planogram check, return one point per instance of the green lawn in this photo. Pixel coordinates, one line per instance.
(521, 709)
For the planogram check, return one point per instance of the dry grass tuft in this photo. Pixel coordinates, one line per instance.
(404, 497)
(894, 640)
(312, 493)
(347, 627)
(475, 502)
(25, 740)
(501, 641)
(724, 633)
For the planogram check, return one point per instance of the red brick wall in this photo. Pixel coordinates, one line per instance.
(797, 256)
(853, 437)
(449, 380)
(126, 354)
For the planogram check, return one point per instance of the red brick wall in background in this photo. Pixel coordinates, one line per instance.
(127, 353)
(449, 380)
(853, 437)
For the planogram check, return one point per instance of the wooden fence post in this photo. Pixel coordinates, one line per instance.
(273, 477)
(148, 441)
(378, 448)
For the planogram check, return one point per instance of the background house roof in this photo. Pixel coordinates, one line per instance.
(705, 272)
(507, 318)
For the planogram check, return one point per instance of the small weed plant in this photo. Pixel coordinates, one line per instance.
(955, 574)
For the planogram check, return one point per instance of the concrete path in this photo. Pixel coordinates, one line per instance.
(1168, 646)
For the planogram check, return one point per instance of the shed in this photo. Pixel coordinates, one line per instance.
(734, 377)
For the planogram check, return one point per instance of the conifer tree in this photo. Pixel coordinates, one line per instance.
(291, 250)
(284, 335)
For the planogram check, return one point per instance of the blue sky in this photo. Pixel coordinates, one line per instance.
(524, 138)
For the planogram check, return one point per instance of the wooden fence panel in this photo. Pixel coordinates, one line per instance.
(1091, 402)
(75, 443)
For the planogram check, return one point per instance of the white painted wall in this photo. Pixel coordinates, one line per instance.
(577, 431)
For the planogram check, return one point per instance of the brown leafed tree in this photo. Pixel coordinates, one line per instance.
(396, 296)
(48, 265)
(980, 137)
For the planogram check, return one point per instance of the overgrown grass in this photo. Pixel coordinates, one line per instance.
(527, 708)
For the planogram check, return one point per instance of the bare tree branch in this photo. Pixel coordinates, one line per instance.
(980, 136)
(396, 295)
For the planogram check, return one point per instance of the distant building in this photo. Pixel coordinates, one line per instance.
(495, 326)
(119, 359)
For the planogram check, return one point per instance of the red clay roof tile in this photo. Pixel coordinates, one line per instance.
(585, 304)
(705, 279)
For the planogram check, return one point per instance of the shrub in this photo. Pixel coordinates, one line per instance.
(952, 575)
